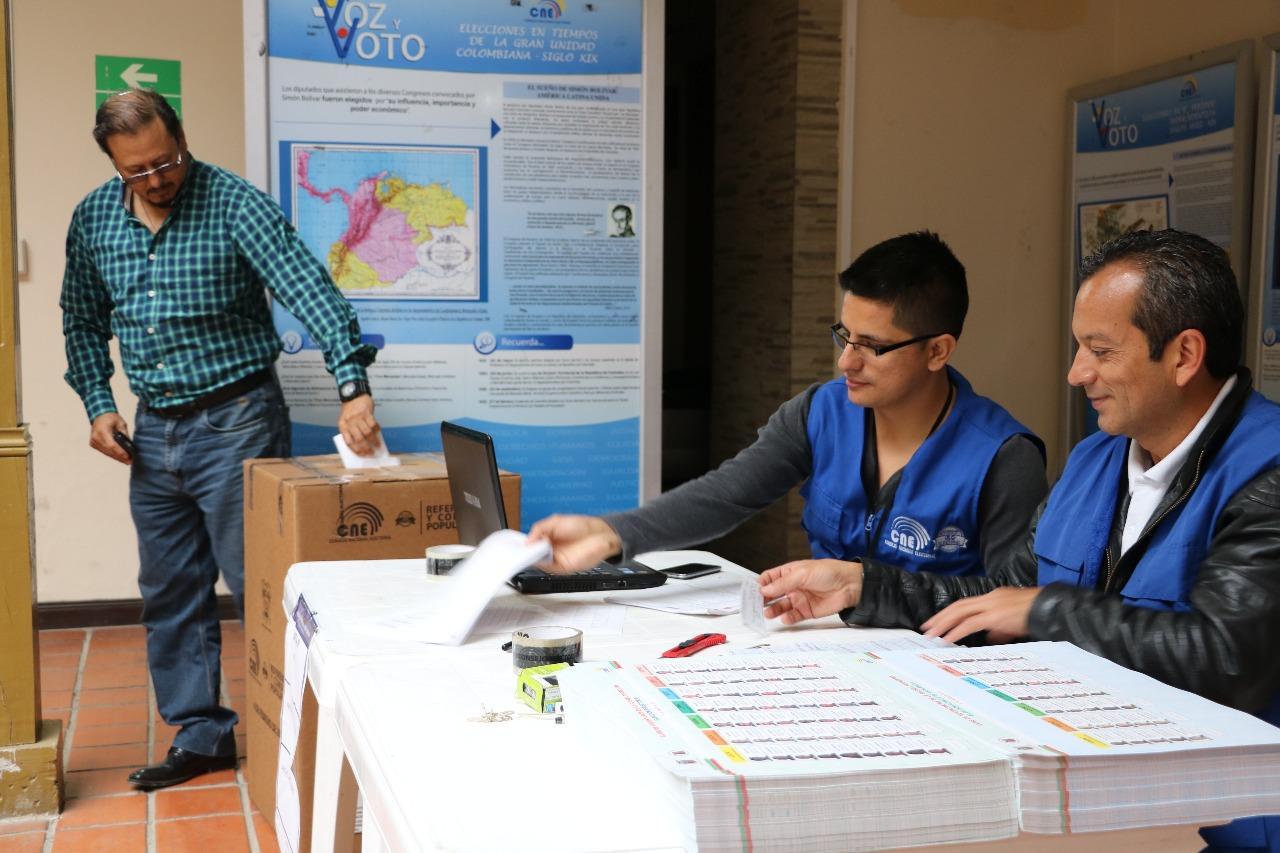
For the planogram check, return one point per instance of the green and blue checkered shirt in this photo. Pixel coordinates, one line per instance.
(189, 303)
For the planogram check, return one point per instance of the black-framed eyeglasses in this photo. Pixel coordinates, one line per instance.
(841, 336)
(139, 177)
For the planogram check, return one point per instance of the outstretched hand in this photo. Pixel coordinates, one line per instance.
(578, 542)
(810, 589)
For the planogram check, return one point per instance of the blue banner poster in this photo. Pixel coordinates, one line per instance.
(470, 171)
(1159, 155)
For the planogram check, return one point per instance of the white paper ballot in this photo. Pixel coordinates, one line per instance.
(381, 458)
(468, 588)
(753, 609)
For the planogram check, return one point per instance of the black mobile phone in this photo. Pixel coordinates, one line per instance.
(126, 443)
(690, 570)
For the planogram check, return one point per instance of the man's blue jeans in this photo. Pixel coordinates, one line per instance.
(185, 493)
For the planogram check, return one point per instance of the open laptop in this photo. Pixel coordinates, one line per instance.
(478, 511)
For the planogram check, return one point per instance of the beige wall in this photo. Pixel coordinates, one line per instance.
(960, 127)
(85, 547)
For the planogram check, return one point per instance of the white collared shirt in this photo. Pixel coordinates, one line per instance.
(1148, 483)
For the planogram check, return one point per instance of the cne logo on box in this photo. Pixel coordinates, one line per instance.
(359, 519)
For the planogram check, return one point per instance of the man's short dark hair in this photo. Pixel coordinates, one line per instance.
(129, 112)
(1187, 284)
(919, 276)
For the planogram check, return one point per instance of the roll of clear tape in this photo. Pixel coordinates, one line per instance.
(442, 558)
(545, 644)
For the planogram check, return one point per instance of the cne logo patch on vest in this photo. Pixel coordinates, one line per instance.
(909, 536)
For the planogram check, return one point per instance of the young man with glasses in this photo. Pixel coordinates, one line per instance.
(175, 258)
(901, 460)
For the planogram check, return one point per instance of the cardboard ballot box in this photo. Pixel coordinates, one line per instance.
(311, 508)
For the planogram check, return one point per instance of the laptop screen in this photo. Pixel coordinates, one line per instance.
(473, 482)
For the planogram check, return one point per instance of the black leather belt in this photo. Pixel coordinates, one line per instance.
(213, 398)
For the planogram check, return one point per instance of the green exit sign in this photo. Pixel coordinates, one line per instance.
(114, 74)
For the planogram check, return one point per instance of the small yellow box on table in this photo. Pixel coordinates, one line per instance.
(539, 688)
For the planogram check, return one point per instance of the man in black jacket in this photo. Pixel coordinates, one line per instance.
(1159, 548)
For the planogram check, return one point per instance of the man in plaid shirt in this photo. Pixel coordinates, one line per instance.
(175, 258)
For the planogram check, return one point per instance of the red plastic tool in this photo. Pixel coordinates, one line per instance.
(693, 645)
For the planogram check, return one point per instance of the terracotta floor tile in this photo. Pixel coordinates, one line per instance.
(111, 715)
(224, 834)
(103, 839)
(118, 635)
(29, 842)
(105, 757)
(116, 657)
(197, 802)
(57, 700)
(64, 640)
(57, 679)
(111, 735)
(17, 827)
(266, 833)
(113, 696)
(220, 777)
(132, 675)
(98, 783)
(92, 811)
(58, 659)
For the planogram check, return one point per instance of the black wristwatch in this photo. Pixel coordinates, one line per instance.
(348, 391)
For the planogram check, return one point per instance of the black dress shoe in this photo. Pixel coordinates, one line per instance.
(179, 766)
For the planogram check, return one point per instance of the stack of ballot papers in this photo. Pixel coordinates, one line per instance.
(1096, 746)
(821, 751)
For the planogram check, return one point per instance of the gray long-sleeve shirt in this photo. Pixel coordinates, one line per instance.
(781, 458)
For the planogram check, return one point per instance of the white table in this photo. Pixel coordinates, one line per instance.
(405, 719)
(348, 597)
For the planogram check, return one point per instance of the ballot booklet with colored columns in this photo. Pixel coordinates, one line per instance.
(837, 751)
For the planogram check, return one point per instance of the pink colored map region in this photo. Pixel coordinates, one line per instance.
(378, 235)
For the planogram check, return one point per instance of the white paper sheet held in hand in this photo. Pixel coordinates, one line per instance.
(753, 609)
(471, 584)
(381, 457)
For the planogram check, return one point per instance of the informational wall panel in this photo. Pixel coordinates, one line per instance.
(1264, 308)
(1165, 147)
(473, 173)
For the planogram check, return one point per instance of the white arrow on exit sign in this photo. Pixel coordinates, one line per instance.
(135, 78)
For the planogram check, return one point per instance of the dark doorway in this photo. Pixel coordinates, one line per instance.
(687, 240)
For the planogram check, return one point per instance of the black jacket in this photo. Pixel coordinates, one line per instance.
(1227, 648)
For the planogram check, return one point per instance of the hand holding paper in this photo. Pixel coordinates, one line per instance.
(810, 589)
(380, 458)
(473, 582)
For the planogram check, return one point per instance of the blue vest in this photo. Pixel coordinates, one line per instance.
(1072, 536)
(933, 521)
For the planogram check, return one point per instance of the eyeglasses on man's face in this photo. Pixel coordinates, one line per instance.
(841, 337)
(139, 177)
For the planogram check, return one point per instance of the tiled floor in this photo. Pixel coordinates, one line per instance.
(95, 680)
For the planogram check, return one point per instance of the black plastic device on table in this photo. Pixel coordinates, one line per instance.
(686, 571)
(472, 466)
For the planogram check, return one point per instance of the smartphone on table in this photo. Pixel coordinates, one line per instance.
(685, 571)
